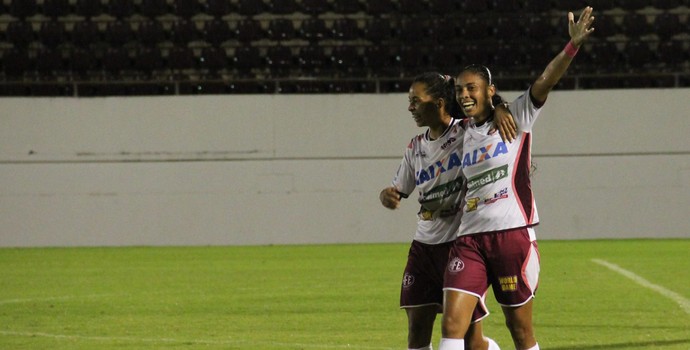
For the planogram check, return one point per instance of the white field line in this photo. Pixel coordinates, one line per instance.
(197, 341)
(682, 301)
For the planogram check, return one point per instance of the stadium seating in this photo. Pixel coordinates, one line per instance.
(379, 42)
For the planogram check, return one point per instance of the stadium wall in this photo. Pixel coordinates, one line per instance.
(303, 169)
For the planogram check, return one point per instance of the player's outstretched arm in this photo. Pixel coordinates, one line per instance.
(579, 32)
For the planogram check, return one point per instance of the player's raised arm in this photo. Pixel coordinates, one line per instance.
(579, 32)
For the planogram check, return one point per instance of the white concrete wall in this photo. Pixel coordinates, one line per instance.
(225, 170)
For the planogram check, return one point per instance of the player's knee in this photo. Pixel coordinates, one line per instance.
(521, 333)
(452, 326)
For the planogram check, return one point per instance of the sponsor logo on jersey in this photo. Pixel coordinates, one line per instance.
(472, 204)
(502, 194)
(437, 168)
(483, 153)
(455, 265)
(508, 283)
(487, 177)
(408, 280)
(442, 191)
(448, 142)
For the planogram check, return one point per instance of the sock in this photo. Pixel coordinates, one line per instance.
(428, 347)
(452, 344)
(492, 344)
(535, 347)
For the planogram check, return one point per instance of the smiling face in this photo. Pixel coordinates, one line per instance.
(474, 94)
(424, 108)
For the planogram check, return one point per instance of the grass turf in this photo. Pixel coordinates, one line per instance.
(320, 297)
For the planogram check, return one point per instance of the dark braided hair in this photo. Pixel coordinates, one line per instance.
(485, 74)
(441, 86)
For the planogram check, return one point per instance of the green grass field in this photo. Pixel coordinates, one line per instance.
(322, 297)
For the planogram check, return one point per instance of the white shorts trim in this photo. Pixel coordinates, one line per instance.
(481, 302)
(420, 305)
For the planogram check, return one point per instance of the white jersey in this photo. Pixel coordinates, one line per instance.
(499, 193)
(433, 167)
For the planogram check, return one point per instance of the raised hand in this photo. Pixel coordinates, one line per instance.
(579, 31)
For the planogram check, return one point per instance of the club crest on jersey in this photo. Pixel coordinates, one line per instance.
(455, 265)
(437, 168)
(483, 153)
(408, 280)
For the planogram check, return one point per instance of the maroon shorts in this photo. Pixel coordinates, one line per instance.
(506, 260)
(422, 282)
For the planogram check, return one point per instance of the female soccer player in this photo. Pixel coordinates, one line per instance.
(432, 165)
(496, 244)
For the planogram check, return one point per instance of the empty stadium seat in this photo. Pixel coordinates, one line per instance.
(116, 60)
(506, 6)
(379, 7)
(213, 59)
(442, 30)
(505, 28)
(635, 25)
(283, 7)
(148, 60)
(250, 7)
(20, 33)
(279, 60)
(378, 30)
(16, 62)
(637, 54)
(81, 62)
(474, 28)
(666, 25)
(153, 8)
(412, 7)
(150, 33)
(84, 33)
(313, 29)
(444, 7)
(345, 59)
(181, 58)
(312, 59)
(344, 29)
(118, 32)
(51, 33)
(183, 31)
(377, 58)
(218, 8)
(23, 8)
(667, 4)
(120, 8)
(346, 7)
(186, 8)
(217, 31)
(88, 8)
(671, 55)
(245, 59)
(475, 6)
(413, 30)
(50, 63)
(55, 8)
(281, 29)
(315, 7)
(249, 30)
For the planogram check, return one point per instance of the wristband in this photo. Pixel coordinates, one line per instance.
(570, 49)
